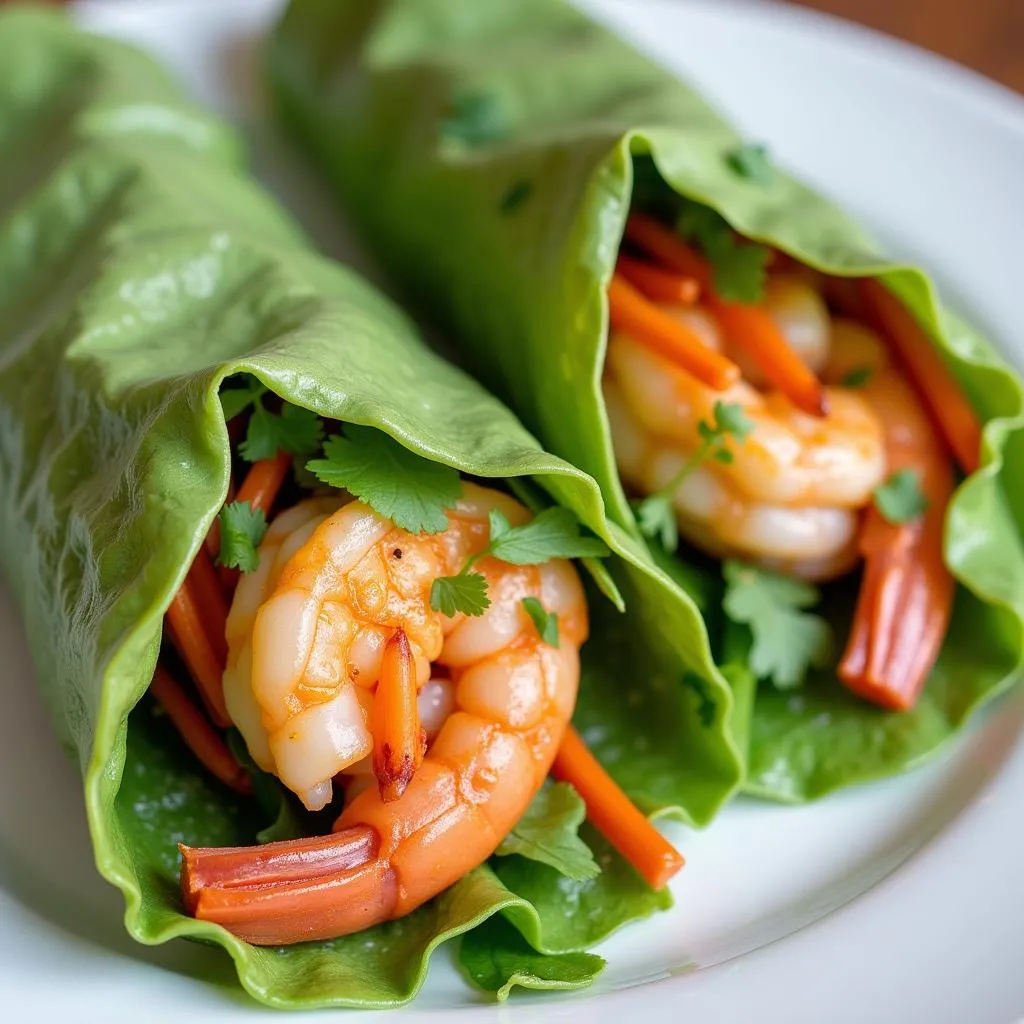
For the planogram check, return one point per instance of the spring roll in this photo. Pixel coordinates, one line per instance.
(727, 353)
(197, 414)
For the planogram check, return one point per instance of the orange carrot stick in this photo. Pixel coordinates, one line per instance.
(952, 413)
(633, 314)
(665, 245)
(614, 814)
(398, 741)
(206, 590)
(199, 736)
(197, 651)
(657, 284)
(263, 482)
(750, 327)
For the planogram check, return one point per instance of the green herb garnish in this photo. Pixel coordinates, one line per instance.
(857, 377)
(293, 430)
(751, 161)
(900, 499)
(740, 268)
(555, 533)
(411, 491)
(545, 621)
(241, 529)
(516, 194)
(655, 514)
(787, 640)
(549, 832)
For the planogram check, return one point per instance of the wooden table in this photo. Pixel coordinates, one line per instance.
(987, 35)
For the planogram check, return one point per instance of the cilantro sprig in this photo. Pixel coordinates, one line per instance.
(554, 533)
(654, 514)
(900, 499)
(294, 430)
(740, 267)
(411, 491)
(241, 529)
(548, 832)
(858, 377)
(751, 161)
(545, 622)
(787, 639)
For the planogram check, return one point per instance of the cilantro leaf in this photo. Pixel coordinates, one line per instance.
(730, 421)
(293, 430)
(236, 400)
(900, 499)
(545, 621)
(656, 514)
(396, 483)
(787, 640)
(516, 194)
(657, 518)
(555, 533)
(475, 118)
(548, 832)
(740, 267)
(857, 378)
(751, 161)
(466, 593)
(241, 529)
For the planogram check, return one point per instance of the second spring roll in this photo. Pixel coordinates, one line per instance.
(768, 401)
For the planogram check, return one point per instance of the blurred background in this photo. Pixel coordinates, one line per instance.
(987, 35)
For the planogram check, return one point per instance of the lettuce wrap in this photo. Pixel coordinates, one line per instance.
(490, 153)
(140, 267)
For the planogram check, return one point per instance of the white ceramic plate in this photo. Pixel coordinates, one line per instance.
(902, 901)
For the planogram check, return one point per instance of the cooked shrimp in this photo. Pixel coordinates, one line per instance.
(816, 542)
(349, 613)
(790, 497)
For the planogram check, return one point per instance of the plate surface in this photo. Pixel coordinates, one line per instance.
(931, 156)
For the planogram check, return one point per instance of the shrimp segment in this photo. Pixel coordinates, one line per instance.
(398, 740)
(510, 697)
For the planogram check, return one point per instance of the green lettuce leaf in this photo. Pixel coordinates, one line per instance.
(496, 958)
(139, 269)
(549, 833)
(506, 239)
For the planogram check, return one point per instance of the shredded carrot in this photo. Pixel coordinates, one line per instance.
(398, 740)
(752, 329)
(263, 481)
(200, 655)
(200, 737)
(614, 814)
(657, 284)
(665, 245)
(209, 597)
(950, 409)
(633, 314)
